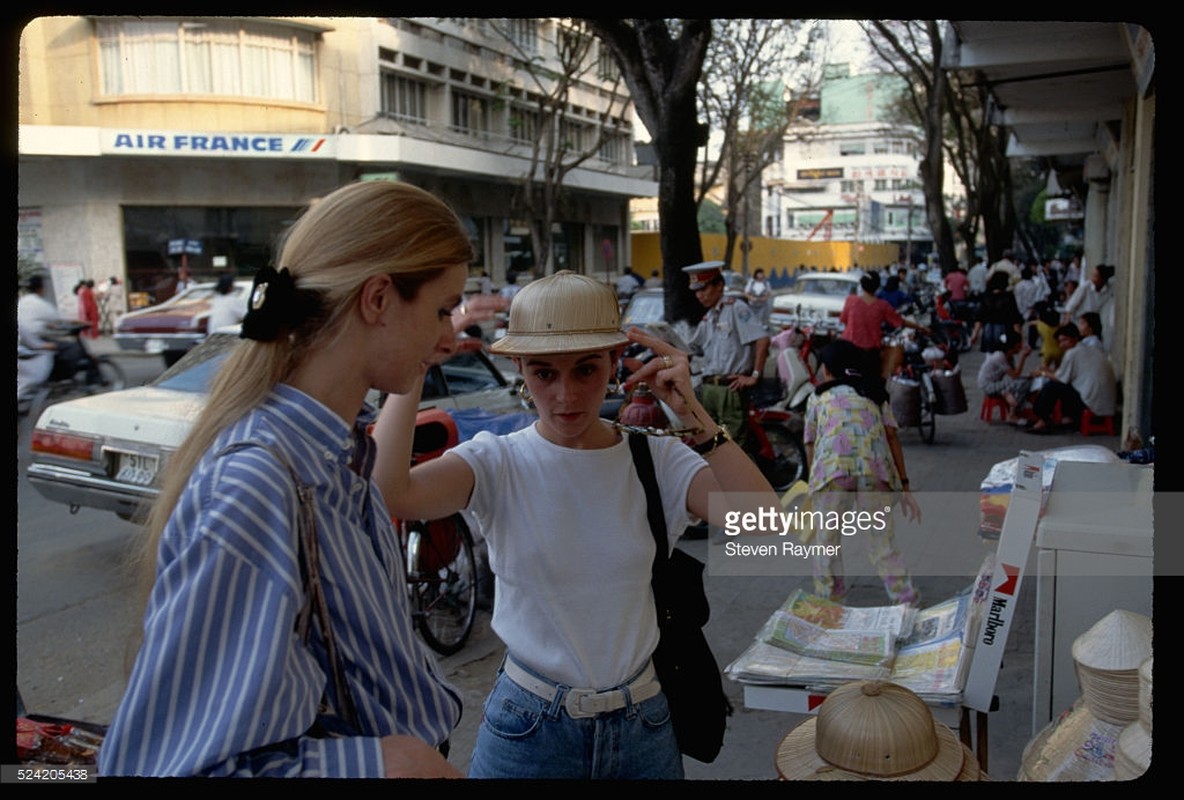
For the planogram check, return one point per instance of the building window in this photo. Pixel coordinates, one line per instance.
(573, 136)
(851, 187)
(880, 185)
(218, 239)
(606, 65)
(524, 33)
(524, 124)
(404, 98)
(615, 149)
(470, 114)
(852, 148)
(881, 148)
(210, 57)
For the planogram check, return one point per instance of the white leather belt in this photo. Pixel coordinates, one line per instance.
(587, 702)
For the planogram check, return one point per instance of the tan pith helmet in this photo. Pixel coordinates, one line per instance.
(871, 730)
(562, 313)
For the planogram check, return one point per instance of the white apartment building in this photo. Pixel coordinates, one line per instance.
(146, 143)
(851, 175)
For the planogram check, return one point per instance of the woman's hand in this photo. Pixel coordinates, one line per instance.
(668, 374)
(478, 308)
(909, 506)
(405, 756)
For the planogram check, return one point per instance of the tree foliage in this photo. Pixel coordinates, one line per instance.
(951, 108)
(912, 49)
(554, 151)
(755, 76)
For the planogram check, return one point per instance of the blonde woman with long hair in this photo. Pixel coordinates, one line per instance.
(251, 662)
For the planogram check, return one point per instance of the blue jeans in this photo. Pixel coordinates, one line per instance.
(524, 736)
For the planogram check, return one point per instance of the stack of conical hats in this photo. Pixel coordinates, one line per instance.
(1133, 756)
(1082, 743)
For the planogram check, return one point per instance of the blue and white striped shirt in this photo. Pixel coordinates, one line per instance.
(223, 685)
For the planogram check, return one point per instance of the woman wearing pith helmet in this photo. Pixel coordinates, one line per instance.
(563, 512)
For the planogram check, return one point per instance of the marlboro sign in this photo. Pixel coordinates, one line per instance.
(1015, 543)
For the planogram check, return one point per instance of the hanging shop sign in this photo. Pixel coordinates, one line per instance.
(818, 173)
(213, 144)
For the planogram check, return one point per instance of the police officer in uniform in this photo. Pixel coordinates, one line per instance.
(734, 343)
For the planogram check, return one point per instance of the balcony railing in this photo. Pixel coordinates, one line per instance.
(486, 141)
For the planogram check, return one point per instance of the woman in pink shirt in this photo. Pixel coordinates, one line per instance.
(863, 317)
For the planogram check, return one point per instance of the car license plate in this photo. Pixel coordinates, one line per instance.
(136, 468)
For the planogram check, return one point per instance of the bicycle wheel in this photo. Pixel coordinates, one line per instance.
(788, 464)
(442, 574)
(111, 375)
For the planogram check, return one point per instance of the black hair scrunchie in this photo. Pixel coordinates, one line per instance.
(276, 303)
(269, 304)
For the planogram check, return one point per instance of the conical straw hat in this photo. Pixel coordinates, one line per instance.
(562, 313)
(1132, 757)
(1121, 640)
(1077, 746)
(871, 730)
(1145, 694)
(1107, 657)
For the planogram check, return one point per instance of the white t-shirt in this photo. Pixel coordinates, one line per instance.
(571, 548)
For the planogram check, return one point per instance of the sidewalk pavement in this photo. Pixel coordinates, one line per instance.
(961, 456)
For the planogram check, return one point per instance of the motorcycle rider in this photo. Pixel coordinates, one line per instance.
(34, 315)
(41, 356)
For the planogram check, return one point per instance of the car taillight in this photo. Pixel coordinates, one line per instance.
(69, 445)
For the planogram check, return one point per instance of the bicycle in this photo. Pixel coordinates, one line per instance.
(440, 564)
(913, 395)
(76, 371)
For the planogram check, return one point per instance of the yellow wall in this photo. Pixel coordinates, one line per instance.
(776, 256)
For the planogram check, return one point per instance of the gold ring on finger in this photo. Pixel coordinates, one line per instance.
(667, 361)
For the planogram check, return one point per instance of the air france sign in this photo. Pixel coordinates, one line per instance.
(217, 145)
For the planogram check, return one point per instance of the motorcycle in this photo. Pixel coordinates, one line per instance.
(76, 371)
(797, 362)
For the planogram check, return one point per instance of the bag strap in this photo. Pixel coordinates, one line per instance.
(309, 556)
(643, 462)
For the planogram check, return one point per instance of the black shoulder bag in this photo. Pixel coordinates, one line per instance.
(686, 667)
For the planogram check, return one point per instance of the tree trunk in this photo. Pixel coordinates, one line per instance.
(680, 241)
(662, 72)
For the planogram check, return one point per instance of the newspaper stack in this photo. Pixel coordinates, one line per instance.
(814, 643)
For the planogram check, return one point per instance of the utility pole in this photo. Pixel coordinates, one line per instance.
(908, 242)
(745, 243)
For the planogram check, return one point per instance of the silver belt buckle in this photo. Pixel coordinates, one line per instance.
(583, 703)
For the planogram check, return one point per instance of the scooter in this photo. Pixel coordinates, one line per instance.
(794, 346)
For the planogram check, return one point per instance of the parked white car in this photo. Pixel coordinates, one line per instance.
(816, 299)
(108, 450)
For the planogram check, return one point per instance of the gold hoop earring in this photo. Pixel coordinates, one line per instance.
(614, 387)
(524, 394)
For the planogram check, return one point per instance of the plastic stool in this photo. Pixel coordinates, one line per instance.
(990, 403)
(1091, 424)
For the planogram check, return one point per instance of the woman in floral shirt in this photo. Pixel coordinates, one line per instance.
(856, 464)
